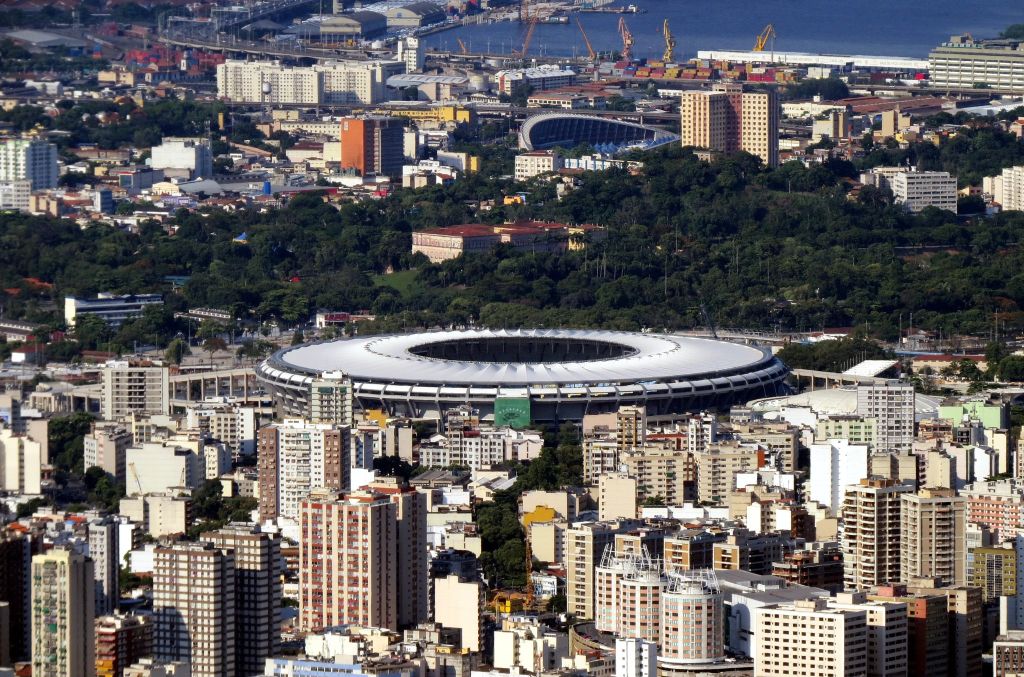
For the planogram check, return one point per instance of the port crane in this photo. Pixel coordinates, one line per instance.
(762, 39)
(670, 43)
(591, 54)
(627, 40)
(462, 46)
(530, 27)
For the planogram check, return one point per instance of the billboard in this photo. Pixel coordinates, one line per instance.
(512, 411)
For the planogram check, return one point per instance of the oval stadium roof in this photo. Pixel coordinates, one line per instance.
(567, 130)
(649, 357)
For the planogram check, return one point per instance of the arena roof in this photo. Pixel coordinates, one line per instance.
(640, 358)
(546, 130)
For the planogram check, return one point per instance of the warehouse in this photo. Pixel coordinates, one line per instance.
(415, 15)
(354, 25)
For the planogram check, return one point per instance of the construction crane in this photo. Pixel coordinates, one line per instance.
(591, 54)
(462, 46)
(762, 39)
(627, 40)
(670, 44)
(521, 53)
(530, 600)
(135, 474)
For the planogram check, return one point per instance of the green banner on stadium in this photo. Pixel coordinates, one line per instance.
(512, 411)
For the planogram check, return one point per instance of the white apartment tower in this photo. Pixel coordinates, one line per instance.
(892, 407)
(635, 658)
(134, 388)
(63, 598)
(29, 160)
(836, 464)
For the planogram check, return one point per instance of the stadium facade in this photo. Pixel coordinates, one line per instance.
(537, 375)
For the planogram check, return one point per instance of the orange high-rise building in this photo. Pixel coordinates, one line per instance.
(372, 145)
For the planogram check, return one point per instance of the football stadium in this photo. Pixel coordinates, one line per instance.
(526, 375)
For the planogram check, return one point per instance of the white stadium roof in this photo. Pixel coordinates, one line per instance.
(650, 358)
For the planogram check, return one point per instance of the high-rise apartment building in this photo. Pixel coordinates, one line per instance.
(892, 407)
(413, 589)
(927, 627)
(373, 145)
(1007, 189)
(965, 619)
(15, 591)
(330, 400)
(729, 120)
(105, 447)
(635, 658)
(716, 469)
(585, 543)
(21, 463)
(836, 464)
(134, 388)
(810, 638)
(258, 570)
(194, 608)
(994, 572)
(627, 595)
(459, 604)
(871, 533)
(295, 457)
(998, 504)
(692, 619)
(886, 632)
(330, 82)
(29, 160)
(103, 551)
(120, 642)
(691, 549)
(348, 568)
(1008, 654)
(63, 599)
(933, 536)
(660, 471)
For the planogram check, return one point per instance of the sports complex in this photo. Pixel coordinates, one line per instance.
(531, 375)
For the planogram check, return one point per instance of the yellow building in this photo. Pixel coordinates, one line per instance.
(995, 571)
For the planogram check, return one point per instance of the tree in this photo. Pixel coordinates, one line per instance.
(392, 466)
(1013, 32)
(177, 350)
(65, 438)
(558, 604)
(1011, 368)
(214, 344)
